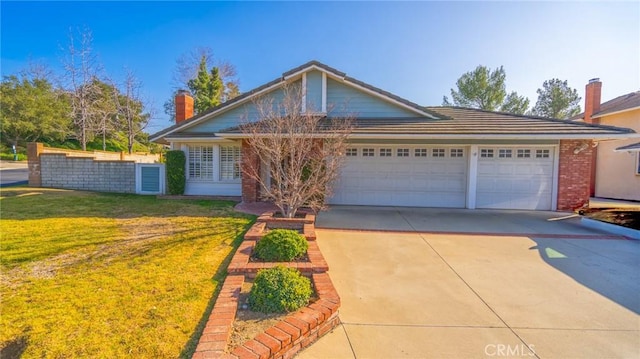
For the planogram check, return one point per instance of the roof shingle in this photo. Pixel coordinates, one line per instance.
(620, 103)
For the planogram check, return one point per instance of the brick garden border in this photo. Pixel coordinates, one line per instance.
(293, 333)
(283, 340)
(240, 263)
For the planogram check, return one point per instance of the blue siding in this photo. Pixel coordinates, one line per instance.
(232, 117)
(314, 91)
(341, 100)
(345, 100)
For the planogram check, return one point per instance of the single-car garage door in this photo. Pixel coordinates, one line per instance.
(403, 176)
(515, 178)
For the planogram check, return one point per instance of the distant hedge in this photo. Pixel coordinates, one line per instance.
(176, 179)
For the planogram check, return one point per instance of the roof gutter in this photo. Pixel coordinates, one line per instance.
(471, 136)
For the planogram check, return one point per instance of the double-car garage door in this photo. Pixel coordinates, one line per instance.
(437, 176)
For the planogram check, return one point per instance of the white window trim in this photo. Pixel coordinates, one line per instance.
(234, 180)
(213, 162)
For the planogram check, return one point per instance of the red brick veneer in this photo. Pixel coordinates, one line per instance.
(240, 263)
(574, 174)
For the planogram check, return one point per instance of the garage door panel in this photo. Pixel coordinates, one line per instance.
(515, 183)
(402, 181)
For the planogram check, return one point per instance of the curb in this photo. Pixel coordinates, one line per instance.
(611, 228)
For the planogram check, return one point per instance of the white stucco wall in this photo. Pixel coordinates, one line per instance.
(616, 175)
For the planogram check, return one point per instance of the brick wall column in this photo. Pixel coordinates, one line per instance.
(34, 149)
(574, 174)
(250, 164)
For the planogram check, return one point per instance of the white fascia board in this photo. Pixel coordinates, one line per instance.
(219, 111)
(310, 68)
(197, 139)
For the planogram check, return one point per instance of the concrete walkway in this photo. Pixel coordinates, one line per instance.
(417, 295)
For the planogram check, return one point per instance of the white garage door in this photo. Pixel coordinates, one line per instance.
(515, 178)
(403, 176)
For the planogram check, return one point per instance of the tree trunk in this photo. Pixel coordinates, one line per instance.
(83, 137)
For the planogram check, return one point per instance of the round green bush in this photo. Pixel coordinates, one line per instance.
(279, 290)
(281, 245)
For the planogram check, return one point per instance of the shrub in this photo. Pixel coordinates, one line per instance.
(279, 290)
(9, 156)
(280, 245)
(176, 179)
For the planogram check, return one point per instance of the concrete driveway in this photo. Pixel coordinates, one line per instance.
(564, 293)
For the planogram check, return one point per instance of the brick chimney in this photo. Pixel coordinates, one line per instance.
(184, 106)
(592, 100)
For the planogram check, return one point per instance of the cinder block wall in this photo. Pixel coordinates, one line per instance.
(82, 173)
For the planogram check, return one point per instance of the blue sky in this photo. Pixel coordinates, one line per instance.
(416, 50)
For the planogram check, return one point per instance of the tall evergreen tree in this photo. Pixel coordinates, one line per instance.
(557, 100)
(485, 89)
(207, 88)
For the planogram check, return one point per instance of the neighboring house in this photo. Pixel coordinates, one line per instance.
(616, 173)
(403, 154)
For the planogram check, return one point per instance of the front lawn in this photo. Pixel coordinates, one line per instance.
(106, 275)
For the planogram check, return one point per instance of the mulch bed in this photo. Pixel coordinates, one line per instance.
(625, 217)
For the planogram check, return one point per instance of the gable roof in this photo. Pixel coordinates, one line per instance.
(309, 66)
(460, 122)
(635, 147)
(622, 103)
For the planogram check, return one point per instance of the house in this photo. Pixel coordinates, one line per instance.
(401, 153)
(616, 170)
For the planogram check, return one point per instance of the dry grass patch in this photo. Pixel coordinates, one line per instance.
(103, 275)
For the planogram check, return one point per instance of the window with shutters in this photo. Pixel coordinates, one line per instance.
(229, 163)
(201, 162)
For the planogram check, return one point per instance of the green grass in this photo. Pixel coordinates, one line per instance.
(104, 276)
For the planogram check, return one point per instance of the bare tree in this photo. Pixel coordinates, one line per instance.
(131, 106)
(295, 155)
(187, 69)
(82, 69)
(104, 110)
